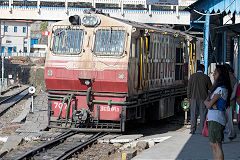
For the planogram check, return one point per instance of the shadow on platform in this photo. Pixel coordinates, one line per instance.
(198, 148)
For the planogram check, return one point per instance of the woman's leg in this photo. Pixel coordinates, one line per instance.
(219, 151)
(213, 146)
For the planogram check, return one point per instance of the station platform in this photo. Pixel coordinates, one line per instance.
(183, 146)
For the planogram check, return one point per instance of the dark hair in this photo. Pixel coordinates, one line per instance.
(229, 68)
(200, 67)
(222, 80)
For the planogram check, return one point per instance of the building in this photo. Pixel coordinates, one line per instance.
(15, 36)
(39, 39)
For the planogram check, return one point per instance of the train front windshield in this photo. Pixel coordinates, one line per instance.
(110, 42)
(67, 41)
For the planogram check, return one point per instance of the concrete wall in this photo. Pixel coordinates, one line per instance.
(25, 74)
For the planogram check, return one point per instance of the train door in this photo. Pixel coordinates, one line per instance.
(161, 60)
(150, 56)
(133, 67)
(143, 49)
(192, 62)
(158, 60)
(171, 57)
(140, 61)
(179, 67)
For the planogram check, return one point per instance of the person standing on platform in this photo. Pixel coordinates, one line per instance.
(238, 102)
(230, 110)
(197, 92)
(217, 103)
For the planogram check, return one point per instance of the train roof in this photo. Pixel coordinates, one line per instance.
(146, 26)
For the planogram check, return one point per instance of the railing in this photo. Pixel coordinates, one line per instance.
(45, 10)
(23, 54)
(118, 2)
(104, 4)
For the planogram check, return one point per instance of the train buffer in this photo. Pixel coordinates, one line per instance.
(182, 145)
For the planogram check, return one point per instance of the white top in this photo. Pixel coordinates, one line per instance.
(218, 115)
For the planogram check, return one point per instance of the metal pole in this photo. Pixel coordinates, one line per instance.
(224, 46)
(206, 40)
(93, 4)
(177, 11)
(38, 5)
(66, 6)
(185, 116)
(32, 104)
(122, 8)
(2, 70)
(150, 9)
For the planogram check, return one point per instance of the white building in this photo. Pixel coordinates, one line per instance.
(15, 36)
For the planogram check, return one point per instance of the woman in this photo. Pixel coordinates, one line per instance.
(217, 102)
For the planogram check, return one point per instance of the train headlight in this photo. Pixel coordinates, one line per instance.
(50, 73)
(75, 20)
(87, 82)
(90, 20)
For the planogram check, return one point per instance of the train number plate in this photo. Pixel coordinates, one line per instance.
(109, 109)
(57, 105)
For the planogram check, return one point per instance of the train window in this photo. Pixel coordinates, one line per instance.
(109, 42)
(67, 41)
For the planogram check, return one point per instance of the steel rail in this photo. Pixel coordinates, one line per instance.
(46, 145)
(67, 154)
(8, 98)
(12, 100)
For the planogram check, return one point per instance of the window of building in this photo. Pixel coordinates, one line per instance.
(25, 49)
(8, 41)
(24, 29)
(15, 29)
(14, 49)
(5, 28)
(33, 41)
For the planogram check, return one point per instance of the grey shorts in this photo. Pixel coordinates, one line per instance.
(215, 132)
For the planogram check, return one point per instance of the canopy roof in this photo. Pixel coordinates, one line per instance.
(216, 6)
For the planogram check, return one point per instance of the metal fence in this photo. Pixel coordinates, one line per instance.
(22, 54)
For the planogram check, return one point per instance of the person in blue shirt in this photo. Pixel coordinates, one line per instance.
(217, 103)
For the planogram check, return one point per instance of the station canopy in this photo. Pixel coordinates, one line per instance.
(216, 6)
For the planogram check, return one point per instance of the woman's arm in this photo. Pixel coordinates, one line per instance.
(210, 103)
(238, 100)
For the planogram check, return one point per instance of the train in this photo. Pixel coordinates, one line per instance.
(102, 72)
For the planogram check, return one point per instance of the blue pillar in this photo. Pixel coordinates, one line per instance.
(224, 46)
(206, 40)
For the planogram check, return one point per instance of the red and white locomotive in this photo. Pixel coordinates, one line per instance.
(101, 72)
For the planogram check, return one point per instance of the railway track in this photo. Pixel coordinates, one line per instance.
(59, 148)
(9, 101)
